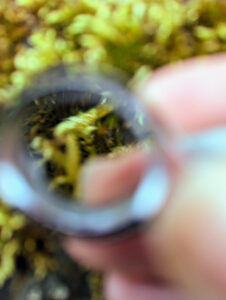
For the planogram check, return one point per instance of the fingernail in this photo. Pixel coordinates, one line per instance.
(89, 170)
(174, 93)
(170, 80)
(152, 91)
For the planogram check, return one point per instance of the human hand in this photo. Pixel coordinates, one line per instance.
(182, 255)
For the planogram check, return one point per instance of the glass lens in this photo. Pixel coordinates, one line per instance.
(68, 123)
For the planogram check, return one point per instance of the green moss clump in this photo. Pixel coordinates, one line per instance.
(135, 36)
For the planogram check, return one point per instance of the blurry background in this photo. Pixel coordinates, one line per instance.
(135, 36)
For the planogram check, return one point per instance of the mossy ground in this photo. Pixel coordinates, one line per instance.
(135, 36)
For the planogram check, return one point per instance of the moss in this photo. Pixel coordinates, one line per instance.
(135, 36)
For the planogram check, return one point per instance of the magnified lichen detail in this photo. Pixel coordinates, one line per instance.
(62, 135)
(135, 36)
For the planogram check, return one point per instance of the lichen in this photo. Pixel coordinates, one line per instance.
(135, 36)
(71, 141)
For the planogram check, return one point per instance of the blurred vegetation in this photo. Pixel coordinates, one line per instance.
(135, 36)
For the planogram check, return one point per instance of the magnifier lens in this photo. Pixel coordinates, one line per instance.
(65, 124)
(65, 121)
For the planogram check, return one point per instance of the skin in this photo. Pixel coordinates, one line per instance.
(181, 256)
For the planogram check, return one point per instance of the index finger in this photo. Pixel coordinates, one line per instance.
(189, 95)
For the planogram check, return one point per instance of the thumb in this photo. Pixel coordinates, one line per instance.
(186, 245)
(188, 240)
(190, 235)
(120, 287)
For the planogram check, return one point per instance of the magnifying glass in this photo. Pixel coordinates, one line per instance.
(62, 120)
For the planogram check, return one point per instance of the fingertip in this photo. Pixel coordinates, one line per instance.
(88, 253)
(121, 287)
(107, 180)
(189, 236)
(189, 95)
(69, 246)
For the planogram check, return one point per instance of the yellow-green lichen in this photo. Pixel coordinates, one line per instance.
(135, 36)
